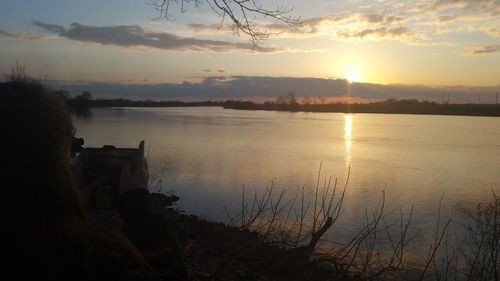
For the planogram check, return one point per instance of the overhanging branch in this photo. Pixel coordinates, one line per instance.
(242, 13)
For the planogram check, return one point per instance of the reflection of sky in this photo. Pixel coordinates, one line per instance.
(206, 155)
(348, 138)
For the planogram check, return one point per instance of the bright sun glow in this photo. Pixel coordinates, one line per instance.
(352, 74)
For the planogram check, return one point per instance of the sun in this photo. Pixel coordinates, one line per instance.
(352, 74)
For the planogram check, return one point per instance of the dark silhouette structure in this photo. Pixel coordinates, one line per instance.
(46, 230)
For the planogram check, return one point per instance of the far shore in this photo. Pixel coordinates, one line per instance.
(391, 106)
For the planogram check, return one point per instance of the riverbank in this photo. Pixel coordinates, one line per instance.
(197, 249)
(215, 251)
(201, 250)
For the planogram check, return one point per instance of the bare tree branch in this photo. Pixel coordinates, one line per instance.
(243, 14)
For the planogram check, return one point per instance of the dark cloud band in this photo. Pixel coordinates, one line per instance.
(241, 87)
(134, 35)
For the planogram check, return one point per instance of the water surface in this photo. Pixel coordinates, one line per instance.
(206, 155)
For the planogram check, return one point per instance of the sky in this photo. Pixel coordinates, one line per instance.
(384, 49)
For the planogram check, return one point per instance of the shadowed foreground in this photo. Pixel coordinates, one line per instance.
(203, 250)
(214, 251)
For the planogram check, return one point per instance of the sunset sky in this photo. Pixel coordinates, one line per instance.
(447, 43)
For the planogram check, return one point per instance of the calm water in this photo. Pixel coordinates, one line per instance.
(206, 155)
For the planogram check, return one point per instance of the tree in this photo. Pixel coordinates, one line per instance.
(82, 101)
(322, 99)
(288, 99)
(86, 95)
(62, 94)
(241, 14)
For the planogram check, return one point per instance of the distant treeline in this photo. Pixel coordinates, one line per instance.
(392, 106)
(132, 103)
(85, 101)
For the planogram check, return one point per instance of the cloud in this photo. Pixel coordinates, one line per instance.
(463, 15)
(381, 18)
(308, 26)
(198, 27)
(244, 87)
(411, 22)
(9, 34)
(487, 50)
(446, 18)
(468, 4)
(220, 70)
(49, 27)
(465, 10)
(490, 30)
(20, 35)
(134, 36)
(377, 33)
(312, 26)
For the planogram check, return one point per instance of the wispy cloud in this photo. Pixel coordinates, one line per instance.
(21, 35)
(134, 36)
(493, 31)
(382, 18)
(449, 11)
(220, 70)
(8, 34)
(377, 33)
(468, 4)
(312, 26)
(419, 22)
(487, 50)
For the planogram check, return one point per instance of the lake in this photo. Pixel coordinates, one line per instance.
(205, 155)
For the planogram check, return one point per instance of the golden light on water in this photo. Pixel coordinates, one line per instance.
(347, 126)
(348, 138)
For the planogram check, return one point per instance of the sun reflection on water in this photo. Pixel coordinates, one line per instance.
(348, 138)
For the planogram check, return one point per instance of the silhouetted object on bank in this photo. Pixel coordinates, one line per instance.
(46, 230)
(82, 101)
